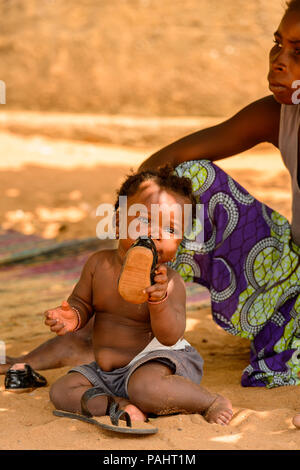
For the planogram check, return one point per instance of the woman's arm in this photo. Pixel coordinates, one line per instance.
(257, 122)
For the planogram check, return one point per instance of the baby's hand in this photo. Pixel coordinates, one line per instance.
(158, 290)
(62, 319)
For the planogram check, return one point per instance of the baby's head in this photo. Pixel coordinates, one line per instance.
(284, 60)
(158, 204)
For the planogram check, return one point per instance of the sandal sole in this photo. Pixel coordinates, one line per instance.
(108, 427)
(135, 275)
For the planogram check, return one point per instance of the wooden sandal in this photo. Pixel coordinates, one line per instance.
(138, 271)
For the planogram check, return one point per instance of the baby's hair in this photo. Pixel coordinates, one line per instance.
(165, 178)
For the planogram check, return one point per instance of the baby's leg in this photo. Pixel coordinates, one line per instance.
(154, 389)
(66, 394)
(67, 391)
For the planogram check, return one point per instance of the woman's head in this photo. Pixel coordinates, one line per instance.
(284, 65)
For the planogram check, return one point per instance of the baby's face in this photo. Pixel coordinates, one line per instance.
(284, 66)
(159, 213)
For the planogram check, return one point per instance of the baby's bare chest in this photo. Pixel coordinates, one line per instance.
(107, 299)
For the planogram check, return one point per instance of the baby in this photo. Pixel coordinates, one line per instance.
(141, 358)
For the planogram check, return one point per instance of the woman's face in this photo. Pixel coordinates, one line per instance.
(284, 66)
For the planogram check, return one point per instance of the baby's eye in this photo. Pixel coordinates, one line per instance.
(169, 229)
(277, 43)
(297, 51)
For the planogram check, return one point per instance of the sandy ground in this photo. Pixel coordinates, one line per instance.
(52, 188)
(141, 57)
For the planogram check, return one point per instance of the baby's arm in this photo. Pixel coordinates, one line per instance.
(76, 312)
(167, 299)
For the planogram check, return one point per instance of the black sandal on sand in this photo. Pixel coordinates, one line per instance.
(110, 421)
(138, 271)
(23, 380)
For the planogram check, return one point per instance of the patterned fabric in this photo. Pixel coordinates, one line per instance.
(251, 267)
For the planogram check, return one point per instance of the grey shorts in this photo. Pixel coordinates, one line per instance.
(184, 362)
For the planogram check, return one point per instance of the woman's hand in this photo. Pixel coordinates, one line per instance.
(62, 319)
(158, 290)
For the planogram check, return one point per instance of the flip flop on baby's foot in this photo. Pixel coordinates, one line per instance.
(219, 412)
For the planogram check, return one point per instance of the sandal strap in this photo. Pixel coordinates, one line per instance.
(112, 409)
(148, 243)
(91, 393)
(115, 413)
(37, 376)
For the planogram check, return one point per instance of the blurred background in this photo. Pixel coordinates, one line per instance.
(93, 87)
(139, 57)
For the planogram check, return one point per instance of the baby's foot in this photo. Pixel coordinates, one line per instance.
(296, 420)
(9, 362)
(135, 413)
(219, 412)
(18, 366)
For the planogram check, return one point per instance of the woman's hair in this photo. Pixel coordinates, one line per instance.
(165, 178)
(292, 5)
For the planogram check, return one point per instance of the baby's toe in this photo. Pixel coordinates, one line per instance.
(224, 418)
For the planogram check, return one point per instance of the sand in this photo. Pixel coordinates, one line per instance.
(44, 191)
(141, 57)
